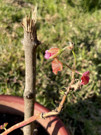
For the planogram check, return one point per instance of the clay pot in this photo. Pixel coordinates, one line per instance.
(15, 105)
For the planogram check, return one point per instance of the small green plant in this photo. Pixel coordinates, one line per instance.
(3, 127)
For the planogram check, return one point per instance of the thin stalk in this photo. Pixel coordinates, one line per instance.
(74, 59)
(73, 70)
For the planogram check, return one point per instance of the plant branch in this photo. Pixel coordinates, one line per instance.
(41, 115)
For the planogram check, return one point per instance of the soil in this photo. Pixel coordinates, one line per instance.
(14, 119)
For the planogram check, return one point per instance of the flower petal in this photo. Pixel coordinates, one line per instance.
(51, 53)
(84, 80)
(47, 54)
(86, 73)
(56, 66)
(53, 50)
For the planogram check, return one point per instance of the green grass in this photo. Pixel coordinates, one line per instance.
(58, 23)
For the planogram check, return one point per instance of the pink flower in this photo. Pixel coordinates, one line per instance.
(56, 66)
(51, 53)
(85, 78)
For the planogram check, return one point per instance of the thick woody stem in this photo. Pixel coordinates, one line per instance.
(30, 79)
(30, 43)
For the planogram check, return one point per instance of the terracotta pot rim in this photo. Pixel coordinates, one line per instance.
(14, 104)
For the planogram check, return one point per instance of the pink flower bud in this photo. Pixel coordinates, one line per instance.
(85, 78)
(47, 54)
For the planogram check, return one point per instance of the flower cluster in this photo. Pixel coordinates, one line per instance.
(53, 53)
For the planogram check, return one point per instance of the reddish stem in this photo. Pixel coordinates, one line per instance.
(21, 124)
(73, 70)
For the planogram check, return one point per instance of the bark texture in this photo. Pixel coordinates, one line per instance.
(30, 43)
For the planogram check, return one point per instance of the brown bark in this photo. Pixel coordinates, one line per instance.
(30, 43)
